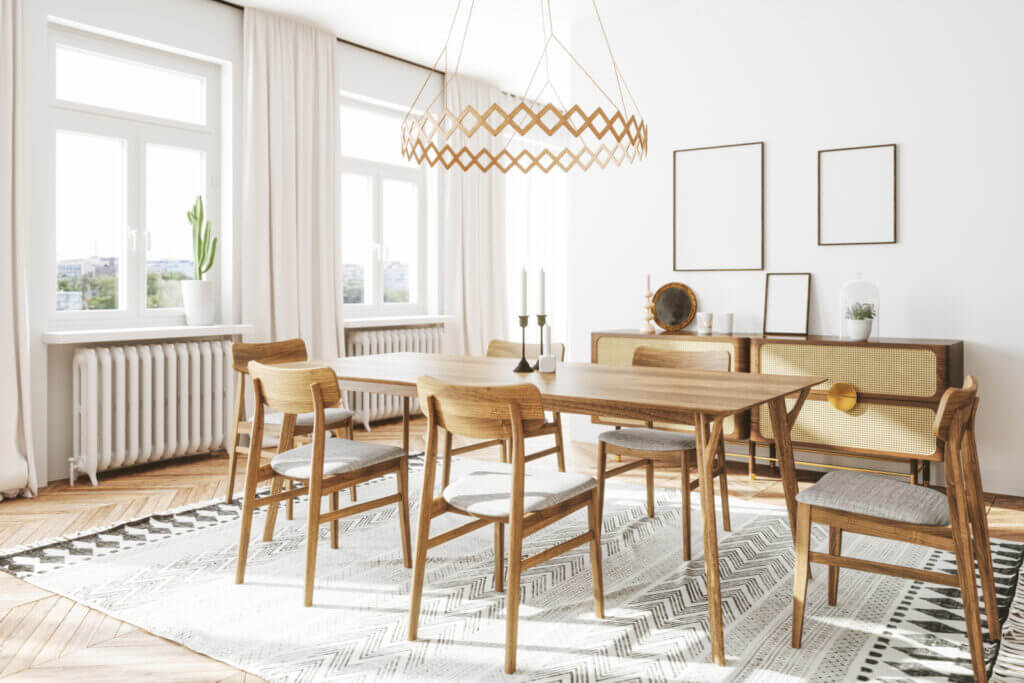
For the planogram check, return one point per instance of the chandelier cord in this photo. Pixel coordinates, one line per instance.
(444, 54)
(615, 66)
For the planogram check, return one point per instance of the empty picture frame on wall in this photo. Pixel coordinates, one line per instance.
(787, 303)
(718, 207)
(857, 195)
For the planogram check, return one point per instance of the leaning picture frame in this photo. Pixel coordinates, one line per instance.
(787, 303)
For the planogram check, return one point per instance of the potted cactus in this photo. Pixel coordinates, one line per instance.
(199, 295)
(858, 319)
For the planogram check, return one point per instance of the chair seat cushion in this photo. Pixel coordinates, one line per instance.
(487, 492)
(643, 439)
(332, 416)
(878, 496)
(340, 455)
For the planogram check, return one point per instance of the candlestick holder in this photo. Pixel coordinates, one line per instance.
(648, 308)
(541, 321)
(524, 366)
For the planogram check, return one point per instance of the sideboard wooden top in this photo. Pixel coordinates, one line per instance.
(784, 338)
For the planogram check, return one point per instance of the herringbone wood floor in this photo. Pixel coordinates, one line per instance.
(45, 637)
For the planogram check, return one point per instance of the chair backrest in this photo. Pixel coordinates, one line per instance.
(654, 357)
(956, 410)
(294, 390)
(267, 353)
(481, 412)
(499, 348)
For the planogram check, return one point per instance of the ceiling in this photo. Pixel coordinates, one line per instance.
(504, 41)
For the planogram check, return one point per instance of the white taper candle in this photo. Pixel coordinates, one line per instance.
(522, 294)
(542, 310)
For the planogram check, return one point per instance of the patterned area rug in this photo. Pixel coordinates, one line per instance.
(172, 575)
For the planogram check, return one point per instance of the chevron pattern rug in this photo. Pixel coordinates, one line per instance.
(172, 575)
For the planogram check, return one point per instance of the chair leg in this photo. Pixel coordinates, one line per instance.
(499, 557)
(559, 444)
(334, 522)
(232, 466)
(515, 559)
(979, 532)
(419, 567)
(289, 506)
(969, 597)
(446, 462)
(248, 508)
(801, 570)
(751, 460)
(504, 451)
(312, 536)
(723, 481)
(403, 512)
(271, 520)
(684, 469)
(602, 465)
(351, 436)
(649, 467)
(835, 547)
(596, 567)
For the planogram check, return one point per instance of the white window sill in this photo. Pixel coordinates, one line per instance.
(142, 333)
(397, 321)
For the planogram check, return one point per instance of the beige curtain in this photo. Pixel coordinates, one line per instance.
(17, 465)
(289, 228)
(473, 247)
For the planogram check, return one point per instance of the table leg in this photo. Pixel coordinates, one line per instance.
(707, 448)
(782, 424)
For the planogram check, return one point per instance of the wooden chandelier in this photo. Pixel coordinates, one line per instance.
(525, 133)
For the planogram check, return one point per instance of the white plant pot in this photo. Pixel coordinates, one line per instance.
(857, 330)
(200, 297)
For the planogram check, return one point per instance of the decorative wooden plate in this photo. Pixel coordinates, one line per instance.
(674, 306)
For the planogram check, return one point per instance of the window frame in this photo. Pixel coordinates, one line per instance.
(379, 171)
(137, 131)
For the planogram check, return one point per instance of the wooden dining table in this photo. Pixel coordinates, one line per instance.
(691, 397)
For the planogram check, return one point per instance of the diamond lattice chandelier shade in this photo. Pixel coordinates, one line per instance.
(524, 133)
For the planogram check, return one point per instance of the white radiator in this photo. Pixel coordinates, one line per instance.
(136, 404)
(364, 342)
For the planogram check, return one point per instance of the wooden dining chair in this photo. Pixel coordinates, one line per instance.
(881, 506)
(500, 494)
(279, 434)
(499, 348)
(323, 467)
(647, 444)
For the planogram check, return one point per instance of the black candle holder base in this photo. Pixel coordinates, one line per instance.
(524, 367)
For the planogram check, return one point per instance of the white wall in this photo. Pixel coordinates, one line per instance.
(940, 79)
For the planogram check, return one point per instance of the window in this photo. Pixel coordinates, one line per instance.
(136, 140)
(383, 216)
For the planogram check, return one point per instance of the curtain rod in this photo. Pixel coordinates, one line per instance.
(353, 44)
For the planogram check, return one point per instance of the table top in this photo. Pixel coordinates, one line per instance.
(582, 388)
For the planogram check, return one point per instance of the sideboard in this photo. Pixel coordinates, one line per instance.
(897, 385)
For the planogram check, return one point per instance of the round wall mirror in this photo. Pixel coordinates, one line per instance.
(674, 306)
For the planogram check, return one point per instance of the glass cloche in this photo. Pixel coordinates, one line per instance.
(858, 309)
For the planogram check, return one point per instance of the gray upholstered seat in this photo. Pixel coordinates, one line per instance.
(332, 416)
(877, 496)
(340, 455)
(487, 492)
(643, 439)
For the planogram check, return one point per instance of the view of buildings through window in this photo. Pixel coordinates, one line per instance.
(133, 135)
(382, 211)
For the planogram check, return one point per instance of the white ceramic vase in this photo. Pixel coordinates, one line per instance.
(857, 330)
(200, 297)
